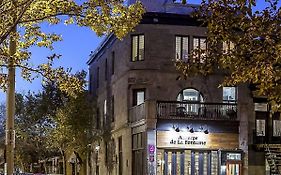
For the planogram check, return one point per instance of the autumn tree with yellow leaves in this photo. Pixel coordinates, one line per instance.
(20, 29)
(243, 42)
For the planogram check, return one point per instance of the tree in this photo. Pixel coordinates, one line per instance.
(20, 29)
(74, 126)
(27, 15)
(252, 45)
(33, 123)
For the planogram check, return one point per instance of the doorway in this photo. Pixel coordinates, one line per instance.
(233, 168)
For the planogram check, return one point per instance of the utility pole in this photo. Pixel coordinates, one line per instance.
(10, 102)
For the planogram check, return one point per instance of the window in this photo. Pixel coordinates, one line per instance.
(227, 46)
(98, 119)
(229, 94)
(90, 83)
(105, 70)
(98, 76)
(189, 95)
(182, 48)
(105, 112)
(112, 109)
(138, 96)
(138, 153)
(260, 127)
(276, 128)
(200, 44)
(120, 156)
(112, 62)
(137, 47)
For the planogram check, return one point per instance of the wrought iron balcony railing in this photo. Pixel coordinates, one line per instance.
(196, 110)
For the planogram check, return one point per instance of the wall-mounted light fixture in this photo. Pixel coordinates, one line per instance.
(204, 129)
(176, 128)
(190, 129)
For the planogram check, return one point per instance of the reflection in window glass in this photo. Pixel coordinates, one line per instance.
(182, 48)
(229, 94)
(138, 48)
(260, 127)
(190, 95)
(276, 128)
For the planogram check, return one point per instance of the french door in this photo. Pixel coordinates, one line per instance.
(187, 162)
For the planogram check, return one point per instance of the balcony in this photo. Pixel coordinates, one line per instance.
(183, 110)
(137, 113)
(196, 110)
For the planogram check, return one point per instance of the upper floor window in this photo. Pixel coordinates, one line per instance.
(138, 96)
(190, 95)
(90, 83)
(227, 46)
(260, 127)
(112, 62)
(276, 128)
(137, 47)
(200, 46)
(229, 94)
(98, 76)
(112, 109)
(182, 48)
(105, 70)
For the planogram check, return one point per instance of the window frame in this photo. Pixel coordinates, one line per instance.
(199, 46)
(138, 47)
(181, 47)
(112, 63)
(236, 95)
(135, 96)
(98, 77)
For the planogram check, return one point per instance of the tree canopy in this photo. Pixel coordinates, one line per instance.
(101, 16)
(243, 43)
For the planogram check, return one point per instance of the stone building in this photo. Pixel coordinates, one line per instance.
(156, 123)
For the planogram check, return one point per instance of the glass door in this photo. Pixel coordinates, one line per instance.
(233, 168)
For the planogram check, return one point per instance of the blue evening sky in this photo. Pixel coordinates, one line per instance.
(77, 44)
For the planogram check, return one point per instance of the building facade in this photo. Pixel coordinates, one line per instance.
(155, 122)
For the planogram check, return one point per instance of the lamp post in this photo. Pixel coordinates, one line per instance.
(10, 102)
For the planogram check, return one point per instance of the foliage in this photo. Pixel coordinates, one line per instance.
(256, 37)
(74, 125)
(28, 15)
(32, 124)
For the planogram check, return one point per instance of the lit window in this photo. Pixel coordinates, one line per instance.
(227, 46)
(200, 46)
(138, 96)
(137, 47)
(260, 127)
(189, 95)
(229, 94)
(181, 48)
(276, 128)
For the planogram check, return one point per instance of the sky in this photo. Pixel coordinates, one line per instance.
(77, 44)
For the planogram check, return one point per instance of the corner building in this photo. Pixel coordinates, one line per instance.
(160, 124)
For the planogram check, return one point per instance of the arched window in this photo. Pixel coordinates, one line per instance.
(190, 95)
(191, 99)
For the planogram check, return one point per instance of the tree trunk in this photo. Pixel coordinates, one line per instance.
(63, 161)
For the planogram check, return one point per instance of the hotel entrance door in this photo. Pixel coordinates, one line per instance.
(233, 168)
(187, 162)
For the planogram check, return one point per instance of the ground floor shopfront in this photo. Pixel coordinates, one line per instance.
(203, 149)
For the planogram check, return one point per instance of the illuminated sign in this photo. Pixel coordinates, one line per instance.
(188, 141)
(182, 140)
